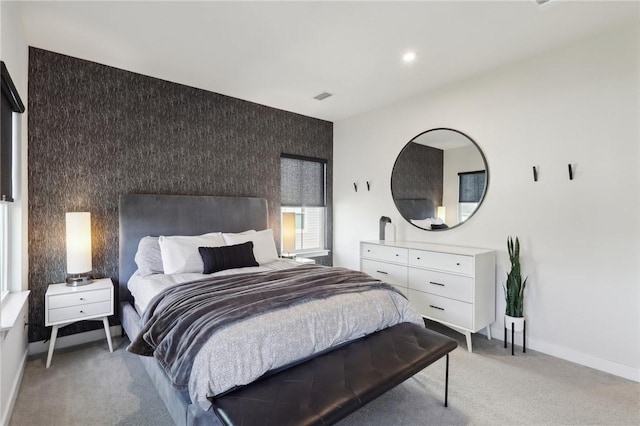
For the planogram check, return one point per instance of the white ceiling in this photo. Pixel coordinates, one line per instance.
(282, 54)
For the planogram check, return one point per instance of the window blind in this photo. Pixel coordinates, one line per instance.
(471, 186)
(302, 181)
(9, 104)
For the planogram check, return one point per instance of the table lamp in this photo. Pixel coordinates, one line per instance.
(78, 233)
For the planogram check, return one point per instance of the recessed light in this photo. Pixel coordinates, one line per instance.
(409, 57)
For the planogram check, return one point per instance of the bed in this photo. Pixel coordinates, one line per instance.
(153, 215)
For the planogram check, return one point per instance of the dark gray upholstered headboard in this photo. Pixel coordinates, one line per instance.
(416, 208)
(142, 215)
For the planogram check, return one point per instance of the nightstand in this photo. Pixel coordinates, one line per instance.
(65, 305)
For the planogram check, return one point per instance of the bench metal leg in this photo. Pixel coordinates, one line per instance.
(446, 384)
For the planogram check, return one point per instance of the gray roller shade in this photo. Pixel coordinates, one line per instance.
(471, 186)
(302, 181)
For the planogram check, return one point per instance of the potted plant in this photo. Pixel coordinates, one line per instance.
(514, 289)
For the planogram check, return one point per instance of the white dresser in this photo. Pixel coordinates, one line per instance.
(452, 285)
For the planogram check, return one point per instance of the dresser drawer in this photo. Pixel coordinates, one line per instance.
(387, 272)
(79, 298)
(386, 253)
(443, 309)
(80, 312)
(443, 261)
(442, 284)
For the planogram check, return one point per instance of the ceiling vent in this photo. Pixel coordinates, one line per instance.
(544, 4)
(322, 96)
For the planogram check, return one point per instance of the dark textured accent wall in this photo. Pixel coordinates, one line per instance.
(418, 175)
(96, 132)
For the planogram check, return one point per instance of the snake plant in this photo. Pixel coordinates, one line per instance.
(514, 287)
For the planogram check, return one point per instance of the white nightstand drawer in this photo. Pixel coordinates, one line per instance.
(442, 261)
(442, 284)
(443, 309)
(387, 272)
(386, 253)
(79, 298)
(80, 312)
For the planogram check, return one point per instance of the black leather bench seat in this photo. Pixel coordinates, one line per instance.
(327, 388)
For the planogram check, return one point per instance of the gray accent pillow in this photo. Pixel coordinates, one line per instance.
(148, 257)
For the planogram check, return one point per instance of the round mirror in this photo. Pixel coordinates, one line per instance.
(439, 179)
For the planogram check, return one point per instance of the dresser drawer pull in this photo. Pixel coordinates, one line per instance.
(457, 263)
(441, 285)
(418, 258)
(436, 307)
(382, 272)
(397, 255)
(82, 298)
(82, 312)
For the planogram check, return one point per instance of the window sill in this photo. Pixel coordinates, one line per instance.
(312, 253)
(12, 304)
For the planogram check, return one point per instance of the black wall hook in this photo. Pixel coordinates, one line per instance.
(535, 174)
(368, 186)
(355, 186)
(570, 171)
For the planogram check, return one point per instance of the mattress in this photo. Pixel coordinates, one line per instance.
(242, 352)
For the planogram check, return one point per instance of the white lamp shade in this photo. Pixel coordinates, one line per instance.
(79, 242)
(288, 232)
(441, 212)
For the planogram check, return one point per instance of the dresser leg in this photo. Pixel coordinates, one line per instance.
(468, 335)
(52, 344)
(489, 332)
(105, 321)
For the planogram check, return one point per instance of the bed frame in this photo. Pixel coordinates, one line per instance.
(144, 214)
(347, 377)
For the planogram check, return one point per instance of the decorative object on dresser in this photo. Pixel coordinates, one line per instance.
(384, 221)
(452, 285)
(78, 233)
(514, 296)
(66, 305)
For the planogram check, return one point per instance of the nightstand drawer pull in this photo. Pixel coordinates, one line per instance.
(382, 272)
(434, 283)
(436, 307)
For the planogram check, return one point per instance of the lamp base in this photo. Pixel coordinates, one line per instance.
(79, 280)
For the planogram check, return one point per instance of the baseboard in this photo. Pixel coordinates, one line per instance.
(567, 354)
(74, 339)
(6, 416)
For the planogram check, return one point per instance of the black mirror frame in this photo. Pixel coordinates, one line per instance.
(486, 186)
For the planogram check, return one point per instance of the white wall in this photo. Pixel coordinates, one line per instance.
(576, 104)
(13, 344)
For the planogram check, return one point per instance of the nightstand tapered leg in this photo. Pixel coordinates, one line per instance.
(105, 321)
(52, 344)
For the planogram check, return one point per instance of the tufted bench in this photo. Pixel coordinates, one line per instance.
(329, 387)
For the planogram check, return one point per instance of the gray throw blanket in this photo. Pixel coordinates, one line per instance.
(180, 320)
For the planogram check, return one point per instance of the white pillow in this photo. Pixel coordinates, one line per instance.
(228, 234)
(180, 253)
(264, 247)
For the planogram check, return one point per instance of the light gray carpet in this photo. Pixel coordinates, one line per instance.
(87, 385)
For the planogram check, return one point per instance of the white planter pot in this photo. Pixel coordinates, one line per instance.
(518, 323)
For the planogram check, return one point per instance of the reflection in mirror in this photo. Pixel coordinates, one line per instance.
(439, 179)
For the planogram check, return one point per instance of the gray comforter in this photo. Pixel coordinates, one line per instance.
(179, 321)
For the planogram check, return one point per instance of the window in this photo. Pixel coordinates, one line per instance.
(303, 192)
(4, 250)
(10, 102)
(470, 192)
